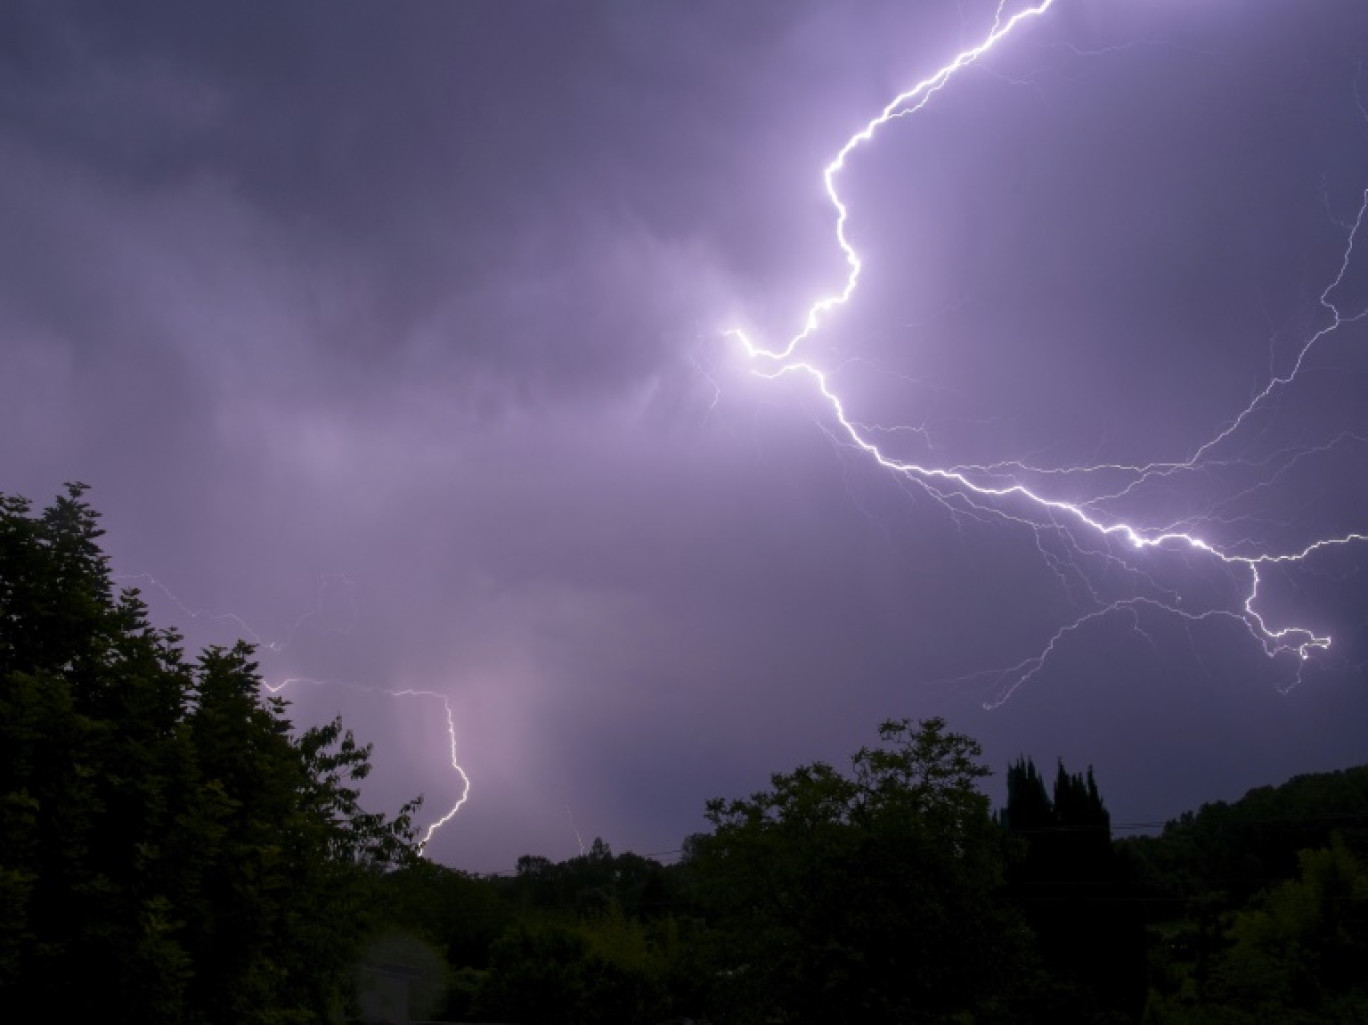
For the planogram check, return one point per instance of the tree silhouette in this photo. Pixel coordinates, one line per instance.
(165, 836)
(867, 896)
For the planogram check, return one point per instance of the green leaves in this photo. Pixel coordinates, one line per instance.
(866, 895)
(1304, 942)
(163, 834)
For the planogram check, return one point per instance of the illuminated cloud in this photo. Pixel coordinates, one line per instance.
(432, 299)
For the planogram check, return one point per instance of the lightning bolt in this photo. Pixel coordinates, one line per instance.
(1017, 492)
(579, 838)
(328, 582)
(317, 615)
(431, 831)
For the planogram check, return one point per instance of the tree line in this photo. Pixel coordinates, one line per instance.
(172, 849)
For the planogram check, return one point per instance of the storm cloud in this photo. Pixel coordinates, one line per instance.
(393, 337)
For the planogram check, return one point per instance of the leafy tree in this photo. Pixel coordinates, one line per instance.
(551, 975)
(1029, 807)
(1075, 894)
(867, 896)
(167, 838)
(1294, 953)
(1238, 849)
(461, 913)
(591, 884)
(1306, 939)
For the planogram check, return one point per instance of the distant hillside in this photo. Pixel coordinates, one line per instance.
(1241, 848)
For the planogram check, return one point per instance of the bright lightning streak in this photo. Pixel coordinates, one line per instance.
(908, 102)
(993, 490)
(579, 838)
(276, 688)
(455, 765)
(317, 615)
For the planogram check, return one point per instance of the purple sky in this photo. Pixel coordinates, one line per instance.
(397, 332)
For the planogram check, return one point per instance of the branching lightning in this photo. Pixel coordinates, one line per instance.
(1014, 491)
(433, 827)
(317, 615)
(329, 582)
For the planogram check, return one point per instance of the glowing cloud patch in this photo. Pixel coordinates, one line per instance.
(1010, 490)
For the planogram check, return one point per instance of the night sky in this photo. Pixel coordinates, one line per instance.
(394, 337)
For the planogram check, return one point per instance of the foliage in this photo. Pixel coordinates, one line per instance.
(399, 977)
(591, 884)
(1295, 953)
(164, 835)
(1306, 937)
(1239, 848)
(1075, 894)
(459, 913)
(167, 839)
(867, 896)
(1257, 905)
(829, 897)
(551, 974)
(597, 938)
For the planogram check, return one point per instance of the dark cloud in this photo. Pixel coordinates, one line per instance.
(396, 331)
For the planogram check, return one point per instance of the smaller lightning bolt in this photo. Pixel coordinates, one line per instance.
(327, 583)
(579, 839)
(455, 765)
(316, 616)
(276, 688)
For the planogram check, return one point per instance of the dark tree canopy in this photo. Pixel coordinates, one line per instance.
(1075, 895)
(171, 849)
(864, 896)
(167, 840)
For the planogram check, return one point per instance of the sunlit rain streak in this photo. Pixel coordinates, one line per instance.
(1007, 490)
(328, 582)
